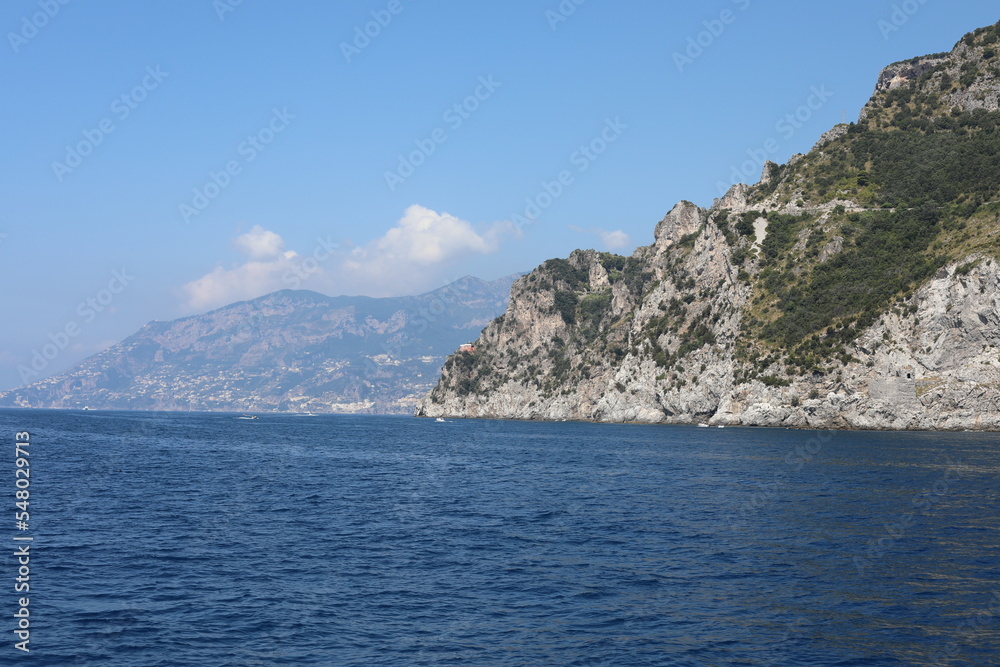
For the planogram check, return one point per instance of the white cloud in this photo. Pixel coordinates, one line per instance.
(413, 256)
(259, 243)
(615, 240)
(610, 240)
(246, 281)
(420, 240)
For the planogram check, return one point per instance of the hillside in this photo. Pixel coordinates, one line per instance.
(294, 351)
(856, 286)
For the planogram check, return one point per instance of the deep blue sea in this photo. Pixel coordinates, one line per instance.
(204, 539)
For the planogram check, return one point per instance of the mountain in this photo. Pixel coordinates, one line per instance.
(856, 286)
(292, 350)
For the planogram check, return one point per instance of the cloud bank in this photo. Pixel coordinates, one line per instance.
(412, 256)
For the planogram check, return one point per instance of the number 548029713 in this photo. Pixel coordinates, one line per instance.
(22, 475)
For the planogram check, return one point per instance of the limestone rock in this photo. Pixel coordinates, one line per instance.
(683, 219)
(668, 334)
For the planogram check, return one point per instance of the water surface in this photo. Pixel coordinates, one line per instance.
(193, 539)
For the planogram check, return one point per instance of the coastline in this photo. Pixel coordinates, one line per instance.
(695, 424)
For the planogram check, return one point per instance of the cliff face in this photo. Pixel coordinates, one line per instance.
(857, 286)
(934, 366)
(958, 77)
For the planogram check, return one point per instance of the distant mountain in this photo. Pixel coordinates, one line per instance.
(292, 350)
(856, 286)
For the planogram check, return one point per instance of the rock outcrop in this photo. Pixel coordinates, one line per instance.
(935, 367)
(819, 298)
(966, 78)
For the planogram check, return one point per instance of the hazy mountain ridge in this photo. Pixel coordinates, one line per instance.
(855, 286)
(292, 350)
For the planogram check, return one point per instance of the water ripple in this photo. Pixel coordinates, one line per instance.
(187, 539)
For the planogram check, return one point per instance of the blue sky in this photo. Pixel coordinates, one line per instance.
(162, 159)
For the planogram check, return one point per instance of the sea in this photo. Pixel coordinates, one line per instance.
(161, 539)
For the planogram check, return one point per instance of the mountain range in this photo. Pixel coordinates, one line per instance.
(293, 350)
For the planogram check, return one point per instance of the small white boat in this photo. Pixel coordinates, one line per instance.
(248, 417)
(443, 421)
(702, 425)
(721, 426)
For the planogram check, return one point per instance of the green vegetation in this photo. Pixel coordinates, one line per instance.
(772, 381)
(688, 240)
(468, 369)
(781, 234)
(722, 221)
(927, 172)
(889, 257)
(925, 179)
(637, 275)
(592, 310)
(958, 158)
(561, 270)
(566, 303)
(745, 224)
(965, 269)
(695, 334)
(613, 264)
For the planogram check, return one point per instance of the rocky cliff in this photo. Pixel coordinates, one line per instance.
(857, 286)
